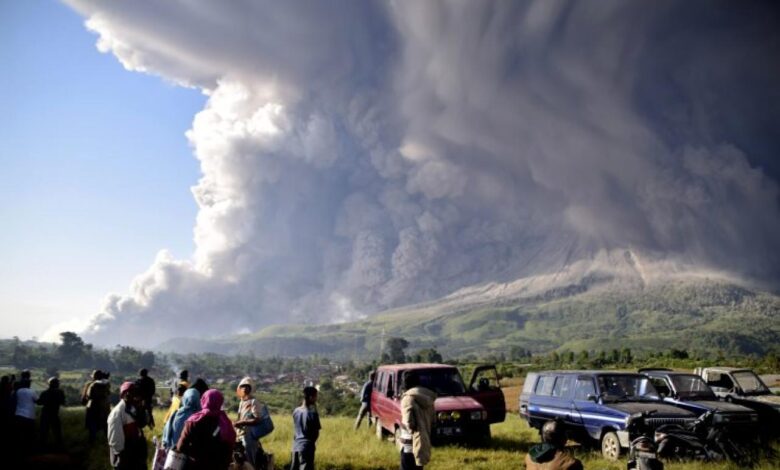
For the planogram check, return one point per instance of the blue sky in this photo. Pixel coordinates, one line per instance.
(95, 170)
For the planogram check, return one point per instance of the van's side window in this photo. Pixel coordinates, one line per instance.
(390, 385)
(584, 388)
(530, 381)
(380, 382)
(563, 386)
(545, 385)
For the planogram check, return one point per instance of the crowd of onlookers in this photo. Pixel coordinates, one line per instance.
(197, 430)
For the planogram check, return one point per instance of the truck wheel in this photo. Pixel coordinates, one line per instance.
(380, 433)
(610, 446)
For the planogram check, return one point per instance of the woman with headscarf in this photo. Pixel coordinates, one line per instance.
(190, 404)
(208, 436)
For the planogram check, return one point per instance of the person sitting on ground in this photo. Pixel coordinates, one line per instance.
(551, 453)
(417, 414)
(239, 459)
(365, 401)
(147, 389)
(208, 436)
(51, 399)
(306, 422)
(190, 404)
(126, 442)
(249, 414)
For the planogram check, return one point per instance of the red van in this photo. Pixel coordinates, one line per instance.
(461, 412)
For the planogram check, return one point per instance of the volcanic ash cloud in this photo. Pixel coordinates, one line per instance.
(361, 155)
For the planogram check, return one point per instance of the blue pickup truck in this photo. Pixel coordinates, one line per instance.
(595, 404)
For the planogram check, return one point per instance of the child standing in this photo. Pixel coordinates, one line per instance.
(307, 429)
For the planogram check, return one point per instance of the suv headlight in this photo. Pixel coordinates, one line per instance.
(455, 415)
(443, 416)
(720, 418)
(475, 415)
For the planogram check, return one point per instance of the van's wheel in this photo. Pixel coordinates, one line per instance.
(380, 433)
(610, 446)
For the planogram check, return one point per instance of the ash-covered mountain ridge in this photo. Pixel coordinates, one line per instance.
(613, 299)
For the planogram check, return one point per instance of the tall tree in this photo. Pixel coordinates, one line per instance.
(395, 349)
(72, 349)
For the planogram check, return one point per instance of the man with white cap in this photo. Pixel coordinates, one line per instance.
(126, 442)
(249, 414)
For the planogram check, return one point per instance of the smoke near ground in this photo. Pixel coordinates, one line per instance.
(358, 156)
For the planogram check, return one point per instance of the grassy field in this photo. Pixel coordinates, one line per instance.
(340, 447)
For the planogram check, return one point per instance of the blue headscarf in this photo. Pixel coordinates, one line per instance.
(190, 404)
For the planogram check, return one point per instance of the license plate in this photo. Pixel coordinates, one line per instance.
(448, 431)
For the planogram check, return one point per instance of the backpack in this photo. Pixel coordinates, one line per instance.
(264, 427)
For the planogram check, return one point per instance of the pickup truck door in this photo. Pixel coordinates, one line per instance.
(485, 388)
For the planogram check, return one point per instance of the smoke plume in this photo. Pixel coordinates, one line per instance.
(358, 156)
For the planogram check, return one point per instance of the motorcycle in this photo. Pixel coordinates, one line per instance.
(642, 451)
(702, 439)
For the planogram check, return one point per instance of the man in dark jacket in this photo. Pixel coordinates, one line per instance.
(551, 453)
(51, 399)
(365, 401)
(146, 389)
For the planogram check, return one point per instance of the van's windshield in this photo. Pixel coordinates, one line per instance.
(750, 383)
(626, 388)
(692, 387)
(445, 382)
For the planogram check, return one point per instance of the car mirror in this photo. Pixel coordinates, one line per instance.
(592, 397)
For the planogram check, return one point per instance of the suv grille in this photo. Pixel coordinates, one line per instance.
(655, 422)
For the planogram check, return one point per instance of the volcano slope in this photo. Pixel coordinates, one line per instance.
(628, 305)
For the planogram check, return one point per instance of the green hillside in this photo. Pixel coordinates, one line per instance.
(699, 315)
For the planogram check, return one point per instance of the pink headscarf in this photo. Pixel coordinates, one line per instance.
(211, 405)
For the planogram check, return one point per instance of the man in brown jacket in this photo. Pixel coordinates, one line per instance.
(551, 453)
(417, 416)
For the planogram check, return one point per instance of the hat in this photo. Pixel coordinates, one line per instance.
(246, 381)
(126, 387)
(53, 380)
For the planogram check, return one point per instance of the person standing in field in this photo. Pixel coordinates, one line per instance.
(365, 401)
(200, 385)
(146, 389)
(190, 404)
(126, 441)
(24, 418)
(7, 409)
(208, 436)
(417, 414)
(306, 422)
(51, 399)
(249, 414)
(175, 403)
(184, 378)
(95, 397)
